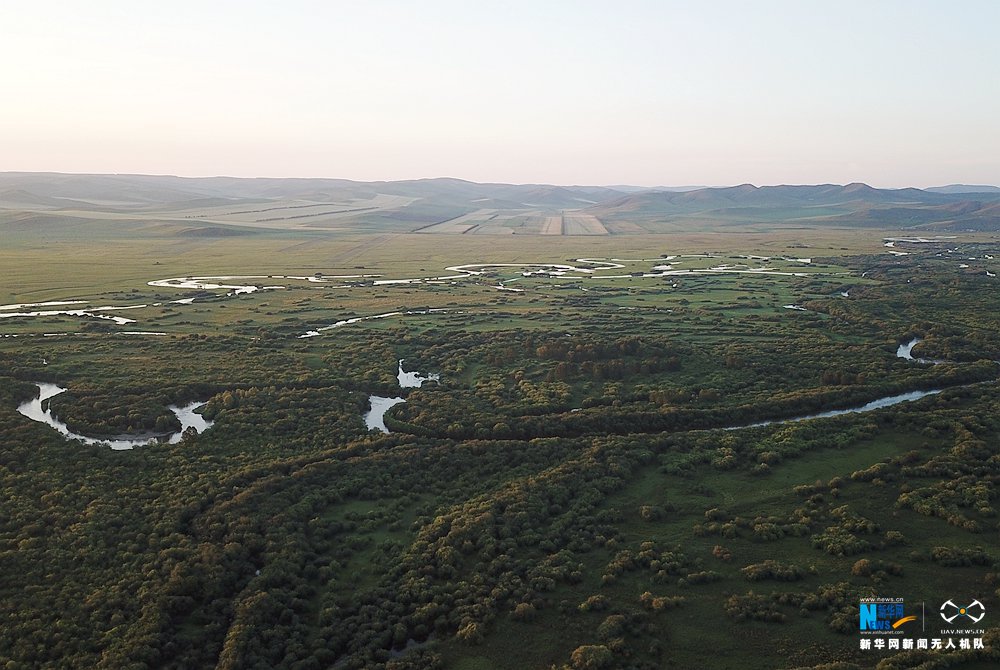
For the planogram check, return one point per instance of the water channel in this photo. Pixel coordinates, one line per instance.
(375, 417)
(39, 409)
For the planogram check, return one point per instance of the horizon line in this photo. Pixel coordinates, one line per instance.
(687, 187)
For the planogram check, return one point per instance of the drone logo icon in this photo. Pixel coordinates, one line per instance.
(974, 610)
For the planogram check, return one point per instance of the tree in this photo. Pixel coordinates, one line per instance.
(591, 657)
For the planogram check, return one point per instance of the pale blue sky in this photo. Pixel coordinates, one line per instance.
(892, 93)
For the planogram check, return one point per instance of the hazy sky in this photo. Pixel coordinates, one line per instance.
(892, 93)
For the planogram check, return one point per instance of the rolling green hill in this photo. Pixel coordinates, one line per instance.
(851, 205)
(114, 205)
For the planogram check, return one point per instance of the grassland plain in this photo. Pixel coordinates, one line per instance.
(564, 495)
(35, 265)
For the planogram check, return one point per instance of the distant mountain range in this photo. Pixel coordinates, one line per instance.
(233, 206)
(963, 188)
(829, 204)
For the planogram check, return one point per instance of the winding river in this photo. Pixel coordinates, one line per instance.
(880, 403)
(414, 380)
(591, 269)
(375, 416)
(904, 351)
(39, 410)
